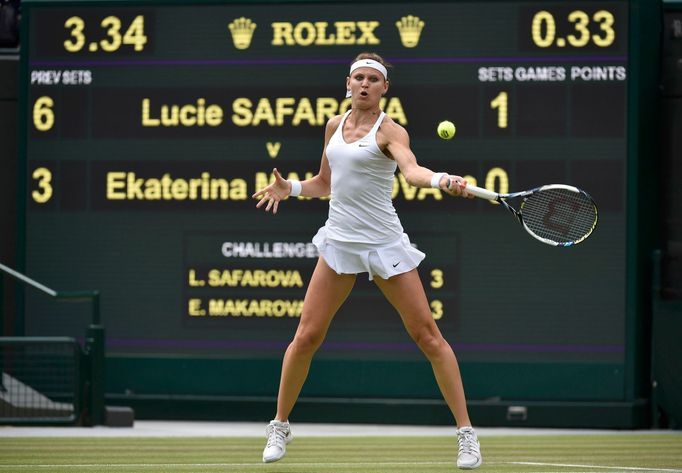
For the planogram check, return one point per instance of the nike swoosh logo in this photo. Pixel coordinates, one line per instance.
(362, 145)
(396, 264)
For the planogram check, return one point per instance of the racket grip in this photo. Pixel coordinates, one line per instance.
(481, 192)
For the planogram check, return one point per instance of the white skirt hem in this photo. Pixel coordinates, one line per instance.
(382, 260)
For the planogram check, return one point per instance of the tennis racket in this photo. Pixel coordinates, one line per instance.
(555, 214)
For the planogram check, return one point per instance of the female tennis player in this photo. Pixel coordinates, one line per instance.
(363, 234)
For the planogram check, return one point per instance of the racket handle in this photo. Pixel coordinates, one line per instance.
(481, 192)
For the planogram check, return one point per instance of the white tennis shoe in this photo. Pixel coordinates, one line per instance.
(279, 435)
(469, 455)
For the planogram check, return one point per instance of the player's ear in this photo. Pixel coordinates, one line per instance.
(385, 87)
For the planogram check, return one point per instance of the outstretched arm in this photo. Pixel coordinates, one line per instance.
(398, 147)
(317, 186)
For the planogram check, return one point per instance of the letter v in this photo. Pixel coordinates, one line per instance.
(273, 148)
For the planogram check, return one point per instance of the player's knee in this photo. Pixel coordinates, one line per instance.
(431, 344)
(307, 341)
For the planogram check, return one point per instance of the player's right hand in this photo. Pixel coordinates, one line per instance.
(273, 193)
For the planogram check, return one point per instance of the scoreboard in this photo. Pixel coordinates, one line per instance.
(148, 126)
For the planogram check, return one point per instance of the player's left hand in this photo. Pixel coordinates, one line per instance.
(456, 186)
(273, 193)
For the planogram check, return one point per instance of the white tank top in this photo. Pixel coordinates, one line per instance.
(360, 209)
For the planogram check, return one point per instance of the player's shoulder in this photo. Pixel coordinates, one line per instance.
(331, 126)
(392, 130)
(334, 122)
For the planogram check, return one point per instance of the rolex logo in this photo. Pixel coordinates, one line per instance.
(242, 32)
(410, 27)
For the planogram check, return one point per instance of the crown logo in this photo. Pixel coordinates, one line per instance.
(410, 27)
(242, 32)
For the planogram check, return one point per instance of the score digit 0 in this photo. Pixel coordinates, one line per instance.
(43, 116)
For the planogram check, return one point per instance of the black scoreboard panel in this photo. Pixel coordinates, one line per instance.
(149, 127)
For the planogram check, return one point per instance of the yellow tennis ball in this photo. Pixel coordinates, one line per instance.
(446, 129)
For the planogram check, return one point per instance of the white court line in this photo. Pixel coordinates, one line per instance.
(571, 465)
(257, 465)
(584, 468)
(219, 465)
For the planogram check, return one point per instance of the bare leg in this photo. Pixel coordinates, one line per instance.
(406, 293)
(326, 292)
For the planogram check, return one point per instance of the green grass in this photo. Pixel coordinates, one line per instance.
(548, 454)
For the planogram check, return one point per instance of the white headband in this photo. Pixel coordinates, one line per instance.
(367, 63)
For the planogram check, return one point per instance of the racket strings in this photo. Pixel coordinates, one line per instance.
(559, 215)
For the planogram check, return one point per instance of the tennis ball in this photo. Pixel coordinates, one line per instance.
(446, 129)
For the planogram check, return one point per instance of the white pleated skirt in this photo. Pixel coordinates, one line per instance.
(382, 260)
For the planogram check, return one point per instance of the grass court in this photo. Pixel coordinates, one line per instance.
(587, 453)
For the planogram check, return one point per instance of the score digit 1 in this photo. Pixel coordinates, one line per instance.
(43, 115)
(501, 104)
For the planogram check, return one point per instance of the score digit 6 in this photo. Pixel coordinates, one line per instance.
(43, 115)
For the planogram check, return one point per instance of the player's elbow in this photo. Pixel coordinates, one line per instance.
(324, 185)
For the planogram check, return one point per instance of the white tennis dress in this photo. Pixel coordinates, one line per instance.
(363, 232)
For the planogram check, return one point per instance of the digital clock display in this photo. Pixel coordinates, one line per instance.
(149, 127)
